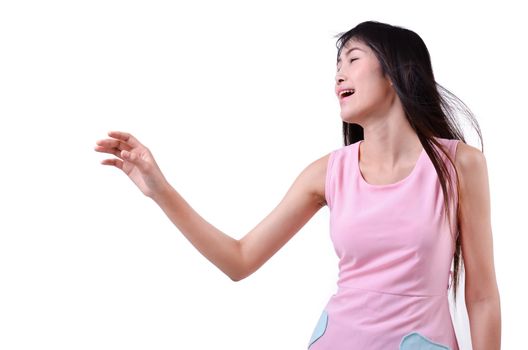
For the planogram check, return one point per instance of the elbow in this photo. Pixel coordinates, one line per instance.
(237, 272)
(242, 275)
(237, 277)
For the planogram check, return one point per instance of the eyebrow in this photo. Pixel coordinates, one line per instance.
(346, 53)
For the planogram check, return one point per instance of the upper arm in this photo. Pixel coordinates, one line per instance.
(302, 200)
(475, 223)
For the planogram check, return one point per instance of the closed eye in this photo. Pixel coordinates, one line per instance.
(352, 60)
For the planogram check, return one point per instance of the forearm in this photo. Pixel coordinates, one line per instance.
(219, 248)
(485, 323)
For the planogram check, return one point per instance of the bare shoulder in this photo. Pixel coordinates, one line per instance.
(316, 174)
(472, 170)
(469, 159)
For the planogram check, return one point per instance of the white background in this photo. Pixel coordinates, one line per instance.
(234, 99)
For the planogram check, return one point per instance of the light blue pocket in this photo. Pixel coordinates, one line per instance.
(416, 341)
(320, 328)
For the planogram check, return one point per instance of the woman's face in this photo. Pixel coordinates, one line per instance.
(359, 69)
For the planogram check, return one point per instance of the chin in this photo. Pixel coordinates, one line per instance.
(350, 117)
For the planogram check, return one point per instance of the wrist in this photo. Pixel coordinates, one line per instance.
(161, 194)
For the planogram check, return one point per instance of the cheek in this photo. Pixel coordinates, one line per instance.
(373, 90)
(375, 83)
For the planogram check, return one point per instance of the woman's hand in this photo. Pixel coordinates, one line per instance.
(135, 160)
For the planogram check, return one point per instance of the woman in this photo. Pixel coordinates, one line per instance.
(407, 197)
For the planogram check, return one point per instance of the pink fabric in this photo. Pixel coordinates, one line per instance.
(395, 251)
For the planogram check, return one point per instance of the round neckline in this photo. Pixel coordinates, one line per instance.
(362, 179)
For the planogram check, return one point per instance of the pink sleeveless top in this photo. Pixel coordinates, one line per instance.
(395, 250)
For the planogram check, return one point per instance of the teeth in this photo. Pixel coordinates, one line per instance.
(346, 91)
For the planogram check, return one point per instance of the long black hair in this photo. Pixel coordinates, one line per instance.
(429, 107)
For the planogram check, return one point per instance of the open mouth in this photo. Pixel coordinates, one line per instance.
(347, 94)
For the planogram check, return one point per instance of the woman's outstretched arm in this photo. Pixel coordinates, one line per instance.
(481, 290)
(236, 258)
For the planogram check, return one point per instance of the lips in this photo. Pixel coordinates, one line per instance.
(344, 97)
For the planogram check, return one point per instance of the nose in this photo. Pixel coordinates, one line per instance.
(338, 77)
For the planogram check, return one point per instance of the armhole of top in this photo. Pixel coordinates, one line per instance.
(455, 179)
(328, 178)
(456, 142)
(451, 148)
(453, 155)
(455, 147)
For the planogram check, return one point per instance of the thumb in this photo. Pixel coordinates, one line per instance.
(131, 157)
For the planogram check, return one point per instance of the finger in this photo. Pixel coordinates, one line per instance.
(113, 143)
(134, 158)
(113, 151)
(130, 156)
(128, 138)
(115, 162)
